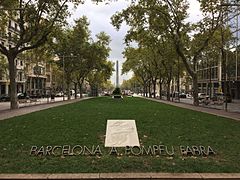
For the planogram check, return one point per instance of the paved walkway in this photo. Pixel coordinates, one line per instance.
(217, 112)
(7, 113)
(127, 176)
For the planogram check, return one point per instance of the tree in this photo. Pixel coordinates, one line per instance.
(36, 20)
(63, 49)
(135, 62)
(101, 68)
(107, 86)
(98, 78)
(132, 84)
(81, 56)
(167, 19)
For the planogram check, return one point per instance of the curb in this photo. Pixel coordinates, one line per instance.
(126, 176)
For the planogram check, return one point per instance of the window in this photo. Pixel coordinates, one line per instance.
(48, 78)
(9, 36)
(216, 85)
(32, 83)
(216, 73)
(20, 76)
(16, 26)
(21, 63)
(1, 75)
(212, 73)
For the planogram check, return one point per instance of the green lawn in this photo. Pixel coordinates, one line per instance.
(84, 123)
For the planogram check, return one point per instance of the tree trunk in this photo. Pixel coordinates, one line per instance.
(13, 83)
(75, 89)
(68, 90)
(80, 90)
(160, 89)
(149, 89)
(168, 90)
(195, 90)
(144, 89)
(154, 87)
(210, 83)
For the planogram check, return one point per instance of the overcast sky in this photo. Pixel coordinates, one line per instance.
(99, 17)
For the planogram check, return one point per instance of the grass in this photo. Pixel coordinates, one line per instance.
(84, 123)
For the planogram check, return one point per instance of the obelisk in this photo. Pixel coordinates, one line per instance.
(117, 76)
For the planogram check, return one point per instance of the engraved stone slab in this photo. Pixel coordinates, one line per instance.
(121, 133)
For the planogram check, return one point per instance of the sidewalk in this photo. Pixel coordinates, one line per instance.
(7, 113)
(217, 112)
(232, 107)
(127, 176)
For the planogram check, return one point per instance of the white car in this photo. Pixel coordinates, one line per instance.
(60, 94)
(202, 96)
(189, 96)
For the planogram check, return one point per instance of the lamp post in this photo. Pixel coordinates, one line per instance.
(63, 69)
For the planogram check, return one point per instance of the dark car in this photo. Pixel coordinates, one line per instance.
(182, 95)
(22, 96)
(4, 98)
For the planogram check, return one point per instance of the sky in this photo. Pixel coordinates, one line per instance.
(99, 17)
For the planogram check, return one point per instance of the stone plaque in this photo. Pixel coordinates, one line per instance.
(121, 133)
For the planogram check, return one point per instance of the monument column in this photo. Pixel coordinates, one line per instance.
(117, 76)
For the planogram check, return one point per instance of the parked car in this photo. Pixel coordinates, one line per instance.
(22, 96)
(60, 94)
(4, 98)
(189, 96)
(202, 96)
(182, 95)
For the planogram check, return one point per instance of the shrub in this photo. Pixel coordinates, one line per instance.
(117, 91)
